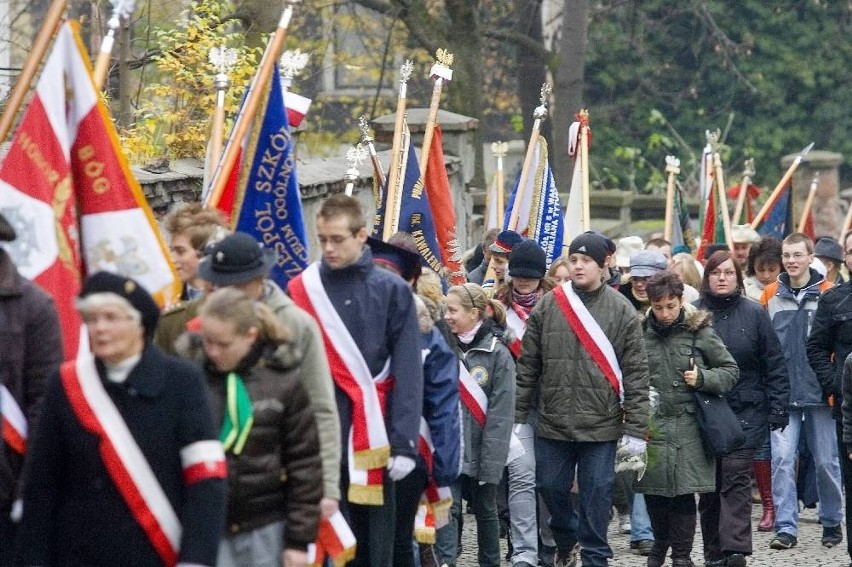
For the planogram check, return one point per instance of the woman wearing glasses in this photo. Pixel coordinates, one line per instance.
(759, 399)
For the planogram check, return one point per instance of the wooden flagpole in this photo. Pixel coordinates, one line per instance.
(540, 114)
(748, 173)
(252, 103)
(52, 21)
(500, 149)
(809, 203)
(584, 166)
(393, 199)
(845, 228)
(223, 60)
(672, 168)
(780, 187)
(442, 73)
(121, 12)
(713, 139)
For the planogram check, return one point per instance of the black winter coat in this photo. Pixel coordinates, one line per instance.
(763, 387)
(30, 351)
(830, 341)
(73, 513)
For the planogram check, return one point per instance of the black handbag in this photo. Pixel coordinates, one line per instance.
(721, 432)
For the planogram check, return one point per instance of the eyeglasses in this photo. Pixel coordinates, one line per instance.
(335, 240)
(795, 256)
(727, 274)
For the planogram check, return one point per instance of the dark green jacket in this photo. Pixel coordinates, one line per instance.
(679, 464)
(559, 381)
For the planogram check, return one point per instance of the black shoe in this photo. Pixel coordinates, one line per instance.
(736, 560)
(715, 562)
(522, 564)
(783, 541)
(832, 536)
(546, 555)
(642, 546)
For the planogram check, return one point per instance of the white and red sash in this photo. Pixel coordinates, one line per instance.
(472, 395)
(126, 464)
(335, 540)
(590, 335)
(369, 448)
(434, 509)
(516, 320)
(14, 422)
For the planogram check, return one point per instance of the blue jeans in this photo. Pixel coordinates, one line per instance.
(522, 502)
(819, 427)
(258, 548)
(640, 522)
(556, 462)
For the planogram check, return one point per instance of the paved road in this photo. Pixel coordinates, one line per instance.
(809, 552)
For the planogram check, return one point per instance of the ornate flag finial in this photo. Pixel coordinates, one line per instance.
(121, 10)
(355, 156)
(223, 59)
(444, 57)
(405, 71)
(292, 62)
(540, 111)
(365, 129)
(499, 149)
(672, 165)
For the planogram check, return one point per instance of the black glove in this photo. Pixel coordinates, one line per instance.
(778, 420)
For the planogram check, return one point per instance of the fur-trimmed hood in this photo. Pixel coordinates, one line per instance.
(693, 319)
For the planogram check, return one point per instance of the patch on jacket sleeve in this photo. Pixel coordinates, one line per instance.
(480, 374)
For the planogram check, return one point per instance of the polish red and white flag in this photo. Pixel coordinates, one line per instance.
(66, 187)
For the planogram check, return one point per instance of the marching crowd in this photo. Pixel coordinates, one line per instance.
(243, 424)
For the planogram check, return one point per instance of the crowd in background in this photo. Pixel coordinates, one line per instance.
(552, 397)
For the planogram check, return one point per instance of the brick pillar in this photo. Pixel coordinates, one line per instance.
(828, 215)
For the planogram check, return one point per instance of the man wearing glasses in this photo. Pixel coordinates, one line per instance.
(372, 340)
(791, 302)
(829, 345)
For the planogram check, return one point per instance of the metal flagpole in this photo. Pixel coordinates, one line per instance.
(121, 12)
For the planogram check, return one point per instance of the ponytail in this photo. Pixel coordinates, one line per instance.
(471, 295)
(232, 305)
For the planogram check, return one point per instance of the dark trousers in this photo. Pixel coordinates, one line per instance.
(594, 463)
(673, 521)
(408, 493)
(373, 526)
(846, 476)
(483, 500)
(726, 513)
(7, 539)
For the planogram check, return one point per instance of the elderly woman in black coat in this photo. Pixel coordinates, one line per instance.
(759, 399)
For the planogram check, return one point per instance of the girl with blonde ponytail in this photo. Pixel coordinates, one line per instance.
(477, 322)
(268, 432)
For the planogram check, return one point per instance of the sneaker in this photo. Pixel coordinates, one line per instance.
(624, 523)
(783, 541)
(642, 546)
(566, 558)
(832, 536)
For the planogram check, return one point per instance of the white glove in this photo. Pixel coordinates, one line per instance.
(523, 430)
(633, 445)
(400, 467)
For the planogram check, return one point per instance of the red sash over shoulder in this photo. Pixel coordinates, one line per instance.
(126, 464)
(590, 335)
(14, 423)
(369, 448)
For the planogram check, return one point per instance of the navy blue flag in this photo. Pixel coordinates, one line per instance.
(415, 214)
(268, 203)
(778, 222)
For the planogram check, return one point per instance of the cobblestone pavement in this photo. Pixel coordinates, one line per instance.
(808, 553)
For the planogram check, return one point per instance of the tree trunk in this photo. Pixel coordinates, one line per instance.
(569, 83)
(465, 42)
(531, 69)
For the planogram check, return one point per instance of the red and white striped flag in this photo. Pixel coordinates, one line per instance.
(67, 187)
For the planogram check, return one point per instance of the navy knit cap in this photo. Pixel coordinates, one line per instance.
(592, 245)
(128, 289)
(527, 260)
